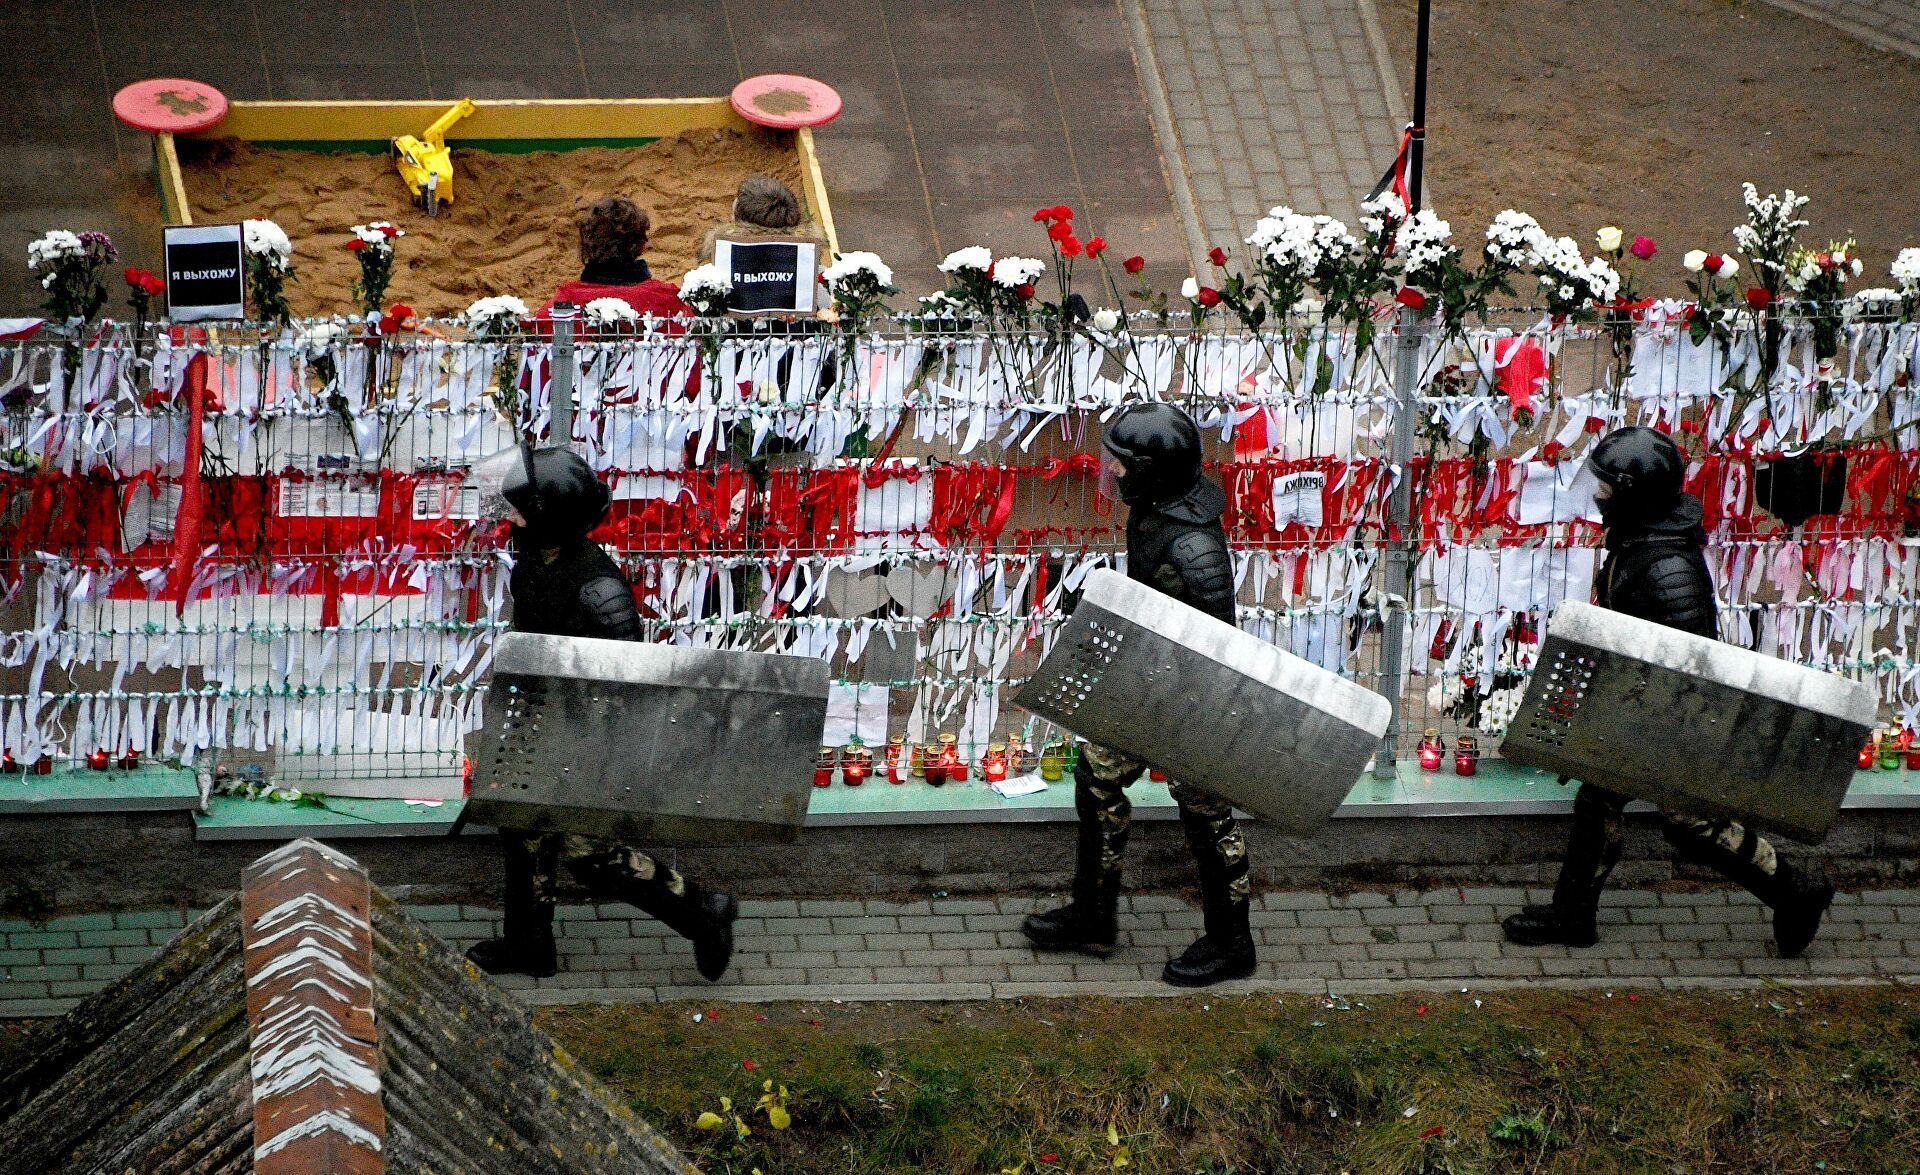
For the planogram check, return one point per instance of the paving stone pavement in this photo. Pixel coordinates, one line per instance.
(1889, 24)
(1266, 102)
(957, 949)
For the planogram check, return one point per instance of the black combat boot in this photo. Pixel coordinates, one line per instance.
(525, 946)
(1797, 897)
(1226, 950)
(1090, 923)
(702, 916)
(1593, 848)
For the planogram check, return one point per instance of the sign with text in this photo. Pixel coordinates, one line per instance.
(205, 279)
(769, 277)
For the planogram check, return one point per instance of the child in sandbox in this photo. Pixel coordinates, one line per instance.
(613, 234)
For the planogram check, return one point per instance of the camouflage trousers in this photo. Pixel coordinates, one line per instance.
(1106, 816)
(1599, 833)
(535, 865)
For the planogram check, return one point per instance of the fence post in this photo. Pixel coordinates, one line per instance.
(1409, 333)
(560, 385)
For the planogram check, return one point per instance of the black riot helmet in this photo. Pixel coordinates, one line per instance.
(554, 489)
(1645, 469)
(1159, 447)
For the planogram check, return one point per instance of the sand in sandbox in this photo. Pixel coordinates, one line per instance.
(512, 228)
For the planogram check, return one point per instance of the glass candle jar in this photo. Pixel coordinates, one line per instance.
(932, 768)
(824, 765)
(1053, 761)
(1466, 756)
(951, 760)
(856, 763)
(993, 764)
(1433, 749)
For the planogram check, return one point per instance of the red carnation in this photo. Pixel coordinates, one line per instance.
(1758, 298)
(1062, 212)
(1595, 424)
(1060, 230)
(1041, 215)
(1217, 255)
(1209, 297)
(355, 245)
(1071, 246)
(134, 275)
(1411, 298)
(1643, 247)
(1134, 264)
(1096, 246)
(1551, 450)
(1024, 291)
(395, 317)
(389, 231)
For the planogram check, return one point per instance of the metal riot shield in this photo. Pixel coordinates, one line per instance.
(1690, 724)
(646, 742)
(1176, 689)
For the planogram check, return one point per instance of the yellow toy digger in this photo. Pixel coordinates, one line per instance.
(427, 165)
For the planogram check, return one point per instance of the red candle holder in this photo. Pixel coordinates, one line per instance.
(1466, 756)
(1433, 750)
(1157, 775)
(7, 763)
(856, 764)
(824, 765)
(952, 766)
(1869, 754)
(897, 762)
(43, 765)
(99, 760)
(993, 765)
(1910, 745)
(130, 760)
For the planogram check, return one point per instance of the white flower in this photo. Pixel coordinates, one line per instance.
(1385, 209)
(1906, 270)
(1728, 267)
(1602, 280)
(1190, 289)
(266, 238)
(848, 265)
(1694, 261)
(976, 258)
(1515, 238)
(1874, 301)
(708, 279)
(1108, 319)
(55, 245)
(1608, 238)
(1014, 272)
(375, 239)
(1855, 266)
(498, 306)
(940, 305)
(607, 312)
(322, 336)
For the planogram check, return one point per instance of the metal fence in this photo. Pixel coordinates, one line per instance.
(283, 568)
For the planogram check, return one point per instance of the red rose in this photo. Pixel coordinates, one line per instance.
(1713, 263)
(1411, 298)
(1071, 246)
(1134, 264)
(389, 231)
(1824, 260)
(1643, 247)
(355, 245)
(1024, 291)
(1060, 230)
(134, 275)
(1096, 246)
(153, 285)
(1758, 298)
(1209, 297)
(1217, 255)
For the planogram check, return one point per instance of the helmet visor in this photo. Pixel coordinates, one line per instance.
(494, 475)
(1112, 469)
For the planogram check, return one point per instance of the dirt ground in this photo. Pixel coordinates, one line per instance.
(1648, 114)
(515, 211)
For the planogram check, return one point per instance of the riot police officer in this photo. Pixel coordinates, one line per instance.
(564, 584)
(1655, 570)
(1175, 544)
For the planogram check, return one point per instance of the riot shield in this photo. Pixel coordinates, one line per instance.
(647, 742)
(1689, 723)
(1172, 687)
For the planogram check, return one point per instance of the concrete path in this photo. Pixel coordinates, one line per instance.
(959, 949)
(1890, 24)
(1264, 102)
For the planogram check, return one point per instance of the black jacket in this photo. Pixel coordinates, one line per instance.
(581, 592)
(1656, 571)
(1179, 548)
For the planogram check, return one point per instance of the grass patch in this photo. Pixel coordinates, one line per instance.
(1548, 1081)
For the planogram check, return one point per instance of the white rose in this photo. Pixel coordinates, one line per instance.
(1106, 319)
(1608, 238)
(1190, 289)
(1728, 267)
(1855, 266)
(1694, 261)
